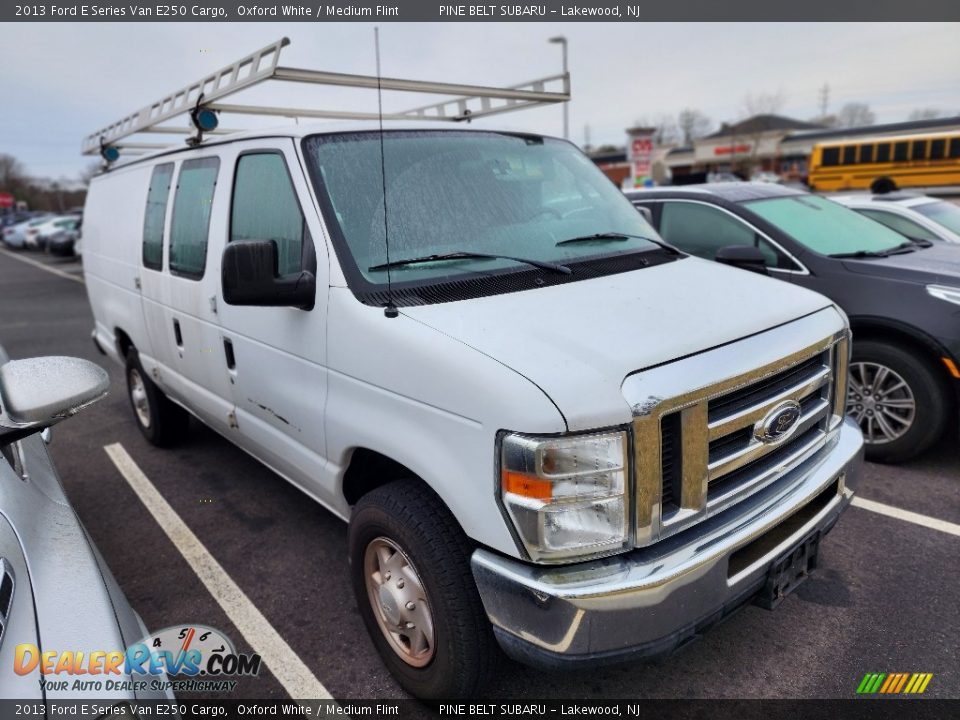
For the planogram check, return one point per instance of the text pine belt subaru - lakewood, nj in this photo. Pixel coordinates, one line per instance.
(549, 431)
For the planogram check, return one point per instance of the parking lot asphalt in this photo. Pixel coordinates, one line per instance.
(884, 599)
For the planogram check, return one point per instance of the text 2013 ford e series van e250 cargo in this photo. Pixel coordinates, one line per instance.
(561, 437)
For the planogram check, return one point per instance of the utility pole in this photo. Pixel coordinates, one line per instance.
(561, 40)
(824, 100)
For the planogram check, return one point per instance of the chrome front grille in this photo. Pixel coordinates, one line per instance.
(713, 451)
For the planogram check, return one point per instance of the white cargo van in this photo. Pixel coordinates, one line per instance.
(549, 431)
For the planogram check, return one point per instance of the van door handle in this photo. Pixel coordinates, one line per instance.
(176, 333)
(228, 353)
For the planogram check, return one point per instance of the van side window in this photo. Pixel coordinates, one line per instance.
(265, 207)
(191, 216)
(155, 215)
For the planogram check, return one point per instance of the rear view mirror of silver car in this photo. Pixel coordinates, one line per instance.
(39, 392)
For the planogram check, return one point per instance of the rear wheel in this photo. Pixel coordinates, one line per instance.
(899, 401)
(161, 421)
(410, 568)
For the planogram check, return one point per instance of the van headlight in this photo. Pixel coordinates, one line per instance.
(567, 496)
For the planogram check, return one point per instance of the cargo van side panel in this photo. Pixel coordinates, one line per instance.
(112, 239)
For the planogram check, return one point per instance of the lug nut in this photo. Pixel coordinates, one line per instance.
(400, 583)
(410, 626)
(410, 606)
(386, 575)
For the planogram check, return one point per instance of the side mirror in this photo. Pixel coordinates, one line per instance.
(745, 257)
(646, 212)
(40, 392)
(250, 276)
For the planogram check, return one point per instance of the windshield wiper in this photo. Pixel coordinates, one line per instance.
(900, 249)
(467, 255)
(605, 236)
(616, 237)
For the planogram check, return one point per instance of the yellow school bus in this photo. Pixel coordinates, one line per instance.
(885, 164)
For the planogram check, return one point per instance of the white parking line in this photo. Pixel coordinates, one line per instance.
(284, 663)
(43, 266)
(911, 517)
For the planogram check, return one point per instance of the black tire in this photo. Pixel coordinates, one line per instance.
(882, 186)
(930, 394)
(162, 422)
(410, 515)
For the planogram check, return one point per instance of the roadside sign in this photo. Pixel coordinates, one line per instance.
(641, 156)
(6, 200)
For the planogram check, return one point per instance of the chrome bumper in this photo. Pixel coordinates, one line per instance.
(652, 600)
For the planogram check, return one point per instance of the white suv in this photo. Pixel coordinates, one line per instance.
(916, 216)
(548, 430)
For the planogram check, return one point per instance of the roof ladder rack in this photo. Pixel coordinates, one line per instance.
(202, 100)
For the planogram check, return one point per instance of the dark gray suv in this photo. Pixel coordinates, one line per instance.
(902, 296)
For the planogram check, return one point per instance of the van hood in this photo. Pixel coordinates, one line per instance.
(578, 341)
(937, 264)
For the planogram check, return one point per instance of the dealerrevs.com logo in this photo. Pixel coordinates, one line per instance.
(193, 657)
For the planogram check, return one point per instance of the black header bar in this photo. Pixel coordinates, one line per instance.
(454, 11)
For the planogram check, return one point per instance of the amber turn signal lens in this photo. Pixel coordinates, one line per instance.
(526, 485)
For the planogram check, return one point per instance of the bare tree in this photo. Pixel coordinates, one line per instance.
(37, 193)
(12, 173)
(692, 124)
(763, 103)
(925, 114)
(664, 128)
(855, 114)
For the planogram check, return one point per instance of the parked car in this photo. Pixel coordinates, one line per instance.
(910, 214)
(54, 585)
(37, 236)
(766, 176)
(15, 236)
(64, 241)
(514, 408)
(899, 295)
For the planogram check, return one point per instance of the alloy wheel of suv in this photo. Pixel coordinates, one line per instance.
(898, 397)
(881, 401)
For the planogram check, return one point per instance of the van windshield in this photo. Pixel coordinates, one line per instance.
(826, 227)
(469, 194)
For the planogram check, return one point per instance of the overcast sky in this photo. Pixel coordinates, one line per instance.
(59, 82)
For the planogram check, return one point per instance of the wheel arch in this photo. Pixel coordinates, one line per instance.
(905, 336)
(123, 341)
(368, 469)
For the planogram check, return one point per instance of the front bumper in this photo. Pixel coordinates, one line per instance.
(650, 601)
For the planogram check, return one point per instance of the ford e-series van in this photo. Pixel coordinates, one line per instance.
(551, 432)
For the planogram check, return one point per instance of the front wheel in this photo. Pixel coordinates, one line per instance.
(898, 400)
(410, 569)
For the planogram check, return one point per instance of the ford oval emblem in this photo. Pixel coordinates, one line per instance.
(779, 423)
